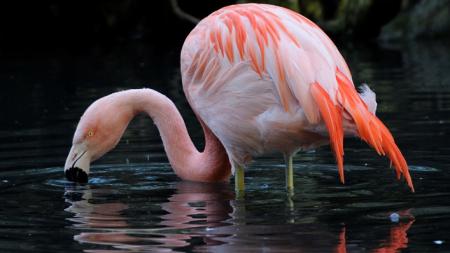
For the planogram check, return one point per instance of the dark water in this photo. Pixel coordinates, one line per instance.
(134, 203)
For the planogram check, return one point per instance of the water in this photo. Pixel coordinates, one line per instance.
(134, 203)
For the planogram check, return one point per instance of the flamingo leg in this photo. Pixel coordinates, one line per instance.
(239, 184)
(289, 172)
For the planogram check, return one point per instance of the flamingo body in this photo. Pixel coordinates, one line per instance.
(265, 79)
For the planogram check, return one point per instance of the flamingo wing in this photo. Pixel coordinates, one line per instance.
(299, 60)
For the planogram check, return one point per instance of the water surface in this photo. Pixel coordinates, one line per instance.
(134, 203)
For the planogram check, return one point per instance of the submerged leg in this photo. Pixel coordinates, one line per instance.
(289, 172)
(239, 184)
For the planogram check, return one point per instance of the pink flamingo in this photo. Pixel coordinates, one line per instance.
(260, 79)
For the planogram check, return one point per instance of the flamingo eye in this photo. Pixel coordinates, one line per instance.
(90, 133)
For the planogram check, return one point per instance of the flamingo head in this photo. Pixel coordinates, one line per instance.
(99, 130)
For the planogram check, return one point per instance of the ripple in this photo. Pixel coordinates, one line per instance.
(144, 207)
(418, 168)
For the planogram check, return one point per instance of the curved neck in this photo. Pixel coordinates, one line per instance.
(211, 165)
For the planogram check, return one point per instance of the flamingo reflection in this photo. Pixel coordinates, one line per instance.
(207, 217)
(193, 208)
(397, 239)
(89, 215)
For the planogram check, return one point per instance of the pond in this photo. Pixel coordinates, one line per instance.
(134, 202)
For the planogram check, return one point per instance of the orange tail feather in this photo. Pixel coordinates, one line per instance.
(332, 116)
(369, 127)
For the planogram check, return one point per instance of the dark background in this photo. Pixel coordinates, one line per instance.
(80, 24)
(47, 24)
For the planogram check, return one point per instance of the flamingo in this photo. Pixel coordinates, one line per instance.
(260, 79)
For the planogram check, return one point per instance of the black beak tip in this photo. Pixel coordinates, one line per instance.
(76, 174)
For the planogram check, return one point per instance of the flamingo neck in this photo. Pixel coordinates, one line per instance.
(188, 163)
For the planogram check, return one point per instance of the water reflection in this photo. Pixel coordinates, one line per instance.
(192, 210)
(208, 218)
(88, 215)
(395, 241)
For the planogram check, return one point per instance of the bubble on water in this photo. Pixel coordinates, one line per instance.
(264, 186)
(438, 242)
(395, 217)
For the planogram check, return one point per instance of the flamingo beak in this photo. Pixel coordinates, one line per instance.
(77, 164)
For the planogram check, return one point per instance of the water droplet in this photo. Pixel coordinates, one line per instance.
(394, 217)
(264, 186)
(127, 161)
(438, 242)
